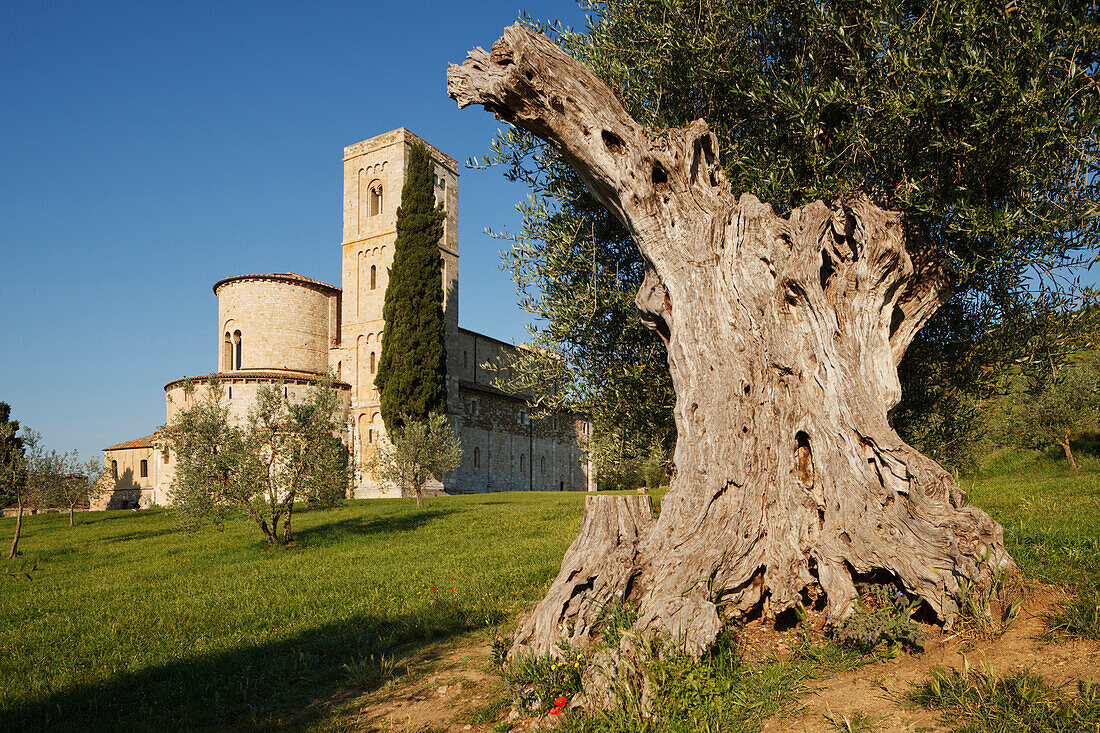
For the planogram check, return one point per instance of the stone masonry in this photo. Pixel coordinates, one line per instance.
(283, 328)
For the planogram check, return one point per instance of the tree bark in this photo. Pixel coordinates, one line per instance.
(286, 523)
(783, 336)
(18, 527)
(1069, 453)
(593, 572)
(72, 509)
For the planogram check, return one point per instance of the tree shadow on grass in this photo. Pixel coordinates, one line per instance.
(340, 530)
(141, 535)
(276, 685)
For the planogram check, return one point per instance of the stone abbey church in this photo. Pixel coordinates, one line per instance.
(283, 328)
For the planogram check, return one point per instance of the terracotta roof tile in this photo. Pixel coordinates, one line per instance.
(146, 442)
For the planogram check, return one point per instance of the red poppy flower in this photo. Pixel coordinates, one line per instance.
(555, 711)
(433, 588)
(561, 702)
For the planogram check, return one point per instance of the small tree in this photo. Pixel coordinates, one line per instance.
(416, 451)
(412, 368)
(1055, 412)
(80, 482)
(34, 476)
(12, 465)
(284, 452)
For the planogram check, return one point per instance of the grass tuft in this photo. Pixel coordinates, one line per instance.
(1078, 617)
(857, 722)
(1021, 702)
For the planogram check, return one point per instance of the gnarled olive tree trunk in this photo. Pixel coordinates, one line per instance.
(784, 337)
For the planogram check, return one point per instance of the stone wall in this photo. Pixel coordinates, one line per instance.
(283, 323)
(504, 449)
(129, 488)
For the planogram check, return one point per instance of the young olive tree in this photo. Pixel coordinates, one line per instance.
(1055, 413)
(415, 452)
(33, 477)
(12, 470)
(284, 452)
(80, 483)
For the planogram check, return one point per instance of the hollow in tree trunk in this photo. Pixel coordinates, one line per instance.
(783, 336)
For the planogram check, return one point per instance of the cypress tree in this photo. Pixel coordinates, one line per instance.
(412, 368)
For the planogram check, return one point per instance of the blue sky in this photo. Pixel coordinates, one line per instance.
(149, 149)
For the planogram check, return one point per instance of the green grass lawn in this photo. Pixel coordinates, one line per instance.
(1050, 514)
(129, 625)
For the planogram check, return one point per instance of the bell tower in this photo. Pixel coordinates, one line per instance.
(374, 174)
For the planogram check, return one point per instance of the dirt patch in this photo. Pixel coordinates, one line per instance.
(449, 686)
(443, 689)
(878, 691)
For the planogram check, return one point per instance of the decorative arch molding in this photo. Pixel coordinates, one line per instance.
(228, 349)
(360, 358)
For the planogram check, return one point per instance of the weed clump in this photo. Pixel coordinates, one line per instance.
(883, 615)
(616, 619)
(371, 671)
(1079, 617)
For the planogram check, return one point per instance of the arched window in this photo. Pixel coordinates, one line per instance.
(114, 469)
(236, 350)
(231, 392)
(227, 352)
(376, 198)
(144, 469)
(477, 457)
(339, 368)
(373, 277)
(370, 435)
(372, 362)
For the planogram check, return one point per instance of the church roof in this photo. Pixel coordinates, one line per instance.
(287, 277)
(146, 442)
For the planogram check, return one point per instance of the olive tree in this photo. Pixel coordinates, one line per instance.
(415, 452)
(285, 451)
(1055, 412)
(783, 335)
(979, 120)
(82, 483)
